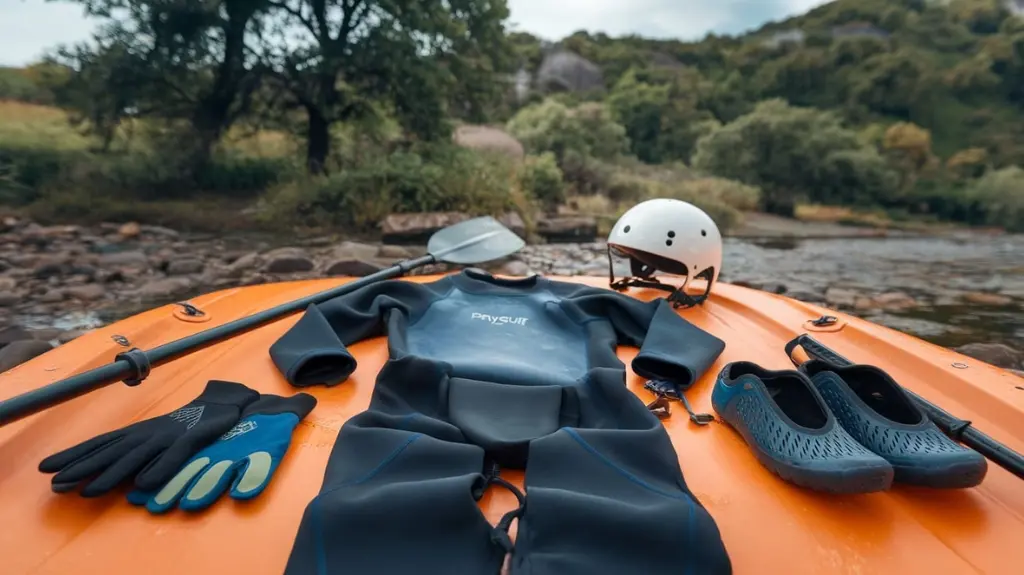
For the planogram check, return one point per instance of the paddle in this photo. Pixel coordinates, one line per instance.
(957, 429)
(469, 242)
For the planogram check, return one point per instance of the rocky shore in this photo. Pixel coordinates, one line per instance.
(964, 291)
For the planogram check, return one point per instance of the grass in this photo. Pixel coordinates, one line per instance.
(38, 127)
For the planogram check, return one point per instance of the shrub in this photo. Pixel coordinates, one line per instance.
(999, 196)
(428, 178)
(587, 130)
(541, 178)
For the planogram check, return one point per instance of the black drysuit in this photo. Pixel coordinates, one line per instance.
(487, 373)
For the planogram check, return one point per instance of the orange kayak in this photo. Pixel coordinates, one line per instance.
(767, 524)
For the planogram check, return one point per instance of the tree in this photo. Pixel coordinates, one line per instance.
(348, 58)
(794, 153)
(188, 59)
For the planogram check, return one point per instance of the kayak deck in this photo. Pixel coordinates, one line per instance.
(768, 525)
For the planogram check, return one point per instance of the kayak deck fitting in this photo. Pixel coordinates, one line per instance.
(767, 525)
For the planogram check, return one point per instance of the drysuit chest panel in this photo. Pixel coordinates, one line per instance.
(523, 339)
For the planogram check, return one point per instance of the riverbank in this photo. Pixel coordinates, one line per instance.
(953, 288)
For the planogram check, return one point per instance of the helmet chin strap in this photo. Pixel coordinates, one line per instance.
(641, 272)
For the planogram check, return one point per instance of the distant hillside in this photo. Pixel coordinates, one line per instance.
(953, 67)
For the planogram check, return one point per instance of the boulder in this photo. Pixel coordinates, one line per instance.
(394, 253)
(71, 335)
(997, 354)
(416, 228)
(565, 71)
(568, 229)
(9, 299)
(353, 267)
(129, 230)
(7, 284)
(164, 288)
(18, 352)
(131, 258)
(87, 292)
(488, 139)
(287, 261)
(355, 250)
(13, 333)
(54, 295)
(984, 298)
(185, 266)
(243, 264)
(841, 297)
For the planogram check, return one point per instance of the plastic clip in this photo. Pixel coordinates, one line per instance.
(140, 365)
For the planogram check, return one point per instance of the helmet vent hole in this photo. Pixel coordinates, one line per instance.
(625, 230)
(671, 234)
(668, 242)
(703, 232)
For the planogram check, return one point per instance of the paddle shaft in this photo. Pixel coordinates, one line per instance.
(956, 428)
(31, 402)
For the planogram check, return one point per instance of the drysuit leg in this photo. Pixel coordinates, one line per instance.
(607, 496)
(400, 491)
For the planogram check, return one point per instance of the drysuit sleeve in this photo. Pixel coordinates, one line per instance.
(671, 348)
(314, 351)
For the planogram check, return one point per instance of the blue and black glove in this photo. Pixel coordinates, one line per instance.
(246, 457)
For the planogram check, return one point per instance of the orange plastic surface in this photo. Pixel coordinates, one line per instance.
(769, 526)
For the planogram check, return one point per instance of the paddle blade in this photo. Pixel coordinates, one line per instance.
(474, 241)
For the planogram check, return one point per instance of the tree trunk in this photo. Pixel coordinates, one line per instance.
(318, 141)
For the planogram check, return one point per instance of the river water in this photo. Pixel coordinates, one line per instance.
(938, 273)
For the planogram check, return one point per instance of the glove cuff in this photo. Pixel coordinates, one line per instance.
(268, 404)
(228, 393)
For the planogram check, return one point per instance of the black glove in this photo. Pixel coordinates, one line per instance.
(157, 446)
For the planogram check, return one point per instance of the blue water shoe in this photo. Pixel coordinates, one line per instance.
(879, 414)
(791, 431)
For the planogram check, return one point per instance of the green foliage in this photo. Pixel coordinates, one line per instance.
(794, 154)
(999, 197)
(426, 178)
(541, 178)
(587, 130)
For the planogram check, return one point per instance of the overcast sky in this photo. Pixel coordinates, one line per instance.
(29, 27)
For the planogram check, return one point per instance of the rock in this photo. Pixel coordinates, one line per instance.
(129, 231)
(805, 296)
(568, 229)
(134, 258)
(71, 335)
(243, 264)
(997, 354)
(45, 334)
(565, 71)
(515, 268)
(287, 261)
(1017, 372)
(18, 352)
(160, 231)
(514, 222)
(390, 252)
(983, 298)
(185, 266)
(416, 228)
(353, 267)
(841, 297)
(355, 251)
(54, 295)
(9, 299)
(7, 284)
(88, 292)
(488, 139)
(164, 288)
(13, 333)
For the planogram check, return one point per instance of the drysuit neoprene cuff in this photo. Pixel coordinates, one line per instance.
(227, 393)
(311, 353)
(676, 350)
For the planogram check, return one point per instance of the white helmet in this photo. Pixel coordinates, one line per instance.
(671, 236)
